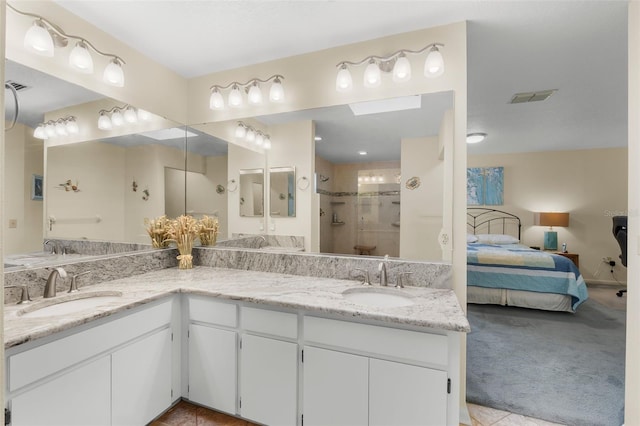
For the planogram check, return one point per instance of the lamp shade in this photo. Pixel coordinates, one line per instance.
(344, 82)
(434, 64)
(276, 93)
(402, 70)
(113, 74)
(372, 75)
(80, 58)
(551, 219)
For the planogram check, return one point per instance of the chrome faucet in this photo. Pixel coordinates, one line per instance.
(382, 268)
(262, 240)
(74, 282)
(24, 296)
(365, 276)
(54, 246)
(50, 288)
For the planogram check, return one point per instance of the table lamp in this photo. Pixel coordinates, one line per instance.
(551, 220)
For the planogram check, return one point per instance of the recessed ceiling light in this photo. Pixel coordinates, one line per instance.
(476, 137)
(362, 152)
(386, 105)
(318, 138)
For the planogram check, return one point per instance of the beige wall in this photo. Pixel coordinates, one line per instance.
(23, 159)
(241, 158)
(422, 207)
(589, 184)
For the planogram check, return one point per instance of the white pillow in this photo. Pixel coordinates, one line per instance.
(472, 238)
(496, 239)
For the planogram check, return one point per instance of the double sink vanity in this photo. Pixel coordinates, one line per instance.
(274, 348)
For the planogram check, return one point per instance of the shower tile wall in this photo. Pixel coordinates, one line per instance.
(368, 220)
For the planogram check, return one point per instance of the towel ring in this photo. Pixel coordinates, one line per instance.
(303, 183)
(232, 186)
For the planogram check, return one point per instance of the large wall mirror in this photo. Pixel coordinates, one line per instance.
(282, 191)
(101, 188)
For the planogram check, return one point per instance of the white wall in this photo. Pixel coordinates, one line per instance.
(591, 185)
(241, 158)
(202, 197)
(293, 145)
(421, 217)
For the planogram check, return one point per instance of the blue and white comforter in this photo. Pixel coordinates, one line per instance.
(518, 267)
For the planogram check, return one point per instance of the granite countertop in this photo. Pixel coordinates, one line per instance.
(432, 308)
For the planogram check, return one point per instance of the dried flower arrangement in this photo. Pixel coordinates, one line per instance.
(183, 231)
(208, 230)
(157, 230)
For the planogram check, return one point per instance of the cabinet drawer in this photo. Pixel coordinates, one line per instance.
(385, 341)
(34, 364)
(205, 309)
(269, 322)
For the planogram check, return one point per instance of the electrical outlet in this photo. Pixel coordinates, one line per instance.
(13, 223)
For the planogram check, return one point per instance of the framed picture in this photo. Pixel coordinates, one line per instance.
(485, 186)
(36, 187)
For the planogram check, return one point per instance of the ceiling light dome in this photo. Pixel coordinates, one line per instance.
(372, 75)
(80, 59)
(434, 64)
(113, 74)
(476, 137)
(39, 40)
(402, 69)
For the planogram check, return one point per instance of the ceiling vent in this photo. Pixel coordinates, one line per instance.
(521, 98)
(18, 86)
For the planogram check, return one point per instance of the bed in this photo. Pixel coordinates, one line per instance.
(502, 271)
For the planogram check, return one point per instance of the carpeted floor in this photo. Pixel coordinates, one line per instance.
(560, 367)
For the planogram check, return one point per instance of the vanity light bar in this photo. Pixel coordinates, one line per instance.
(251, 88)
(118, 116)
(251, 135)
(397, 63)
(57, 128)
(44, 36)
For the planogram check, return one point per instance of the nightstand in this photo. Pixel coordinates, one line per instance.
(575, 258)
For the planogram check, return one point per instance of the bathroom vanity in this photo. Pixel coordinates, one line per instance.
(272, 348)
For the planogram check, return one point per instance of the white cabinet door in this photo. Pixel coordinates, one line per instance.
(80, 397)
(335, 388)
(268, 380)
(406, 395)
(212, 367)
(141, 379)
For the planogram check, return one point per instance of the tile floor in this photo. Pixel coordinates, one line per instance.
(186, 414)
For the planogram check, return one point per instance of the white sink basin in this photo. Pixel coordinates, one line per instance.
(378, 297)
(69, 304)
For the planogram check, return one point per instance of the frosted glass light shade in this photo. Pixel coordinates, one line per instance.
(72, 127)
(276, 92)
(235, 97)
(104, 122)
(372, 75)
(402, 70)
(50, 130)
(255, 95)
(251, 135)
(38, 40)
(61, 129)
(39, 133)
(267, 143)
(344, 82)
(241, 131)
(130, 115)
(259, 139)
(80, 59)
(113, 74)
(434, 64)
(216, 101)
(117, 119)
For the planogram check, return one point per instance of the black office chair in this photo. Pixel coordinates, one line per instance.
(620, 233)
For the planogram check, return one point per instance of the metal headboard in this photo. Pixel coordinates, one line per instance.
(483, 218)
